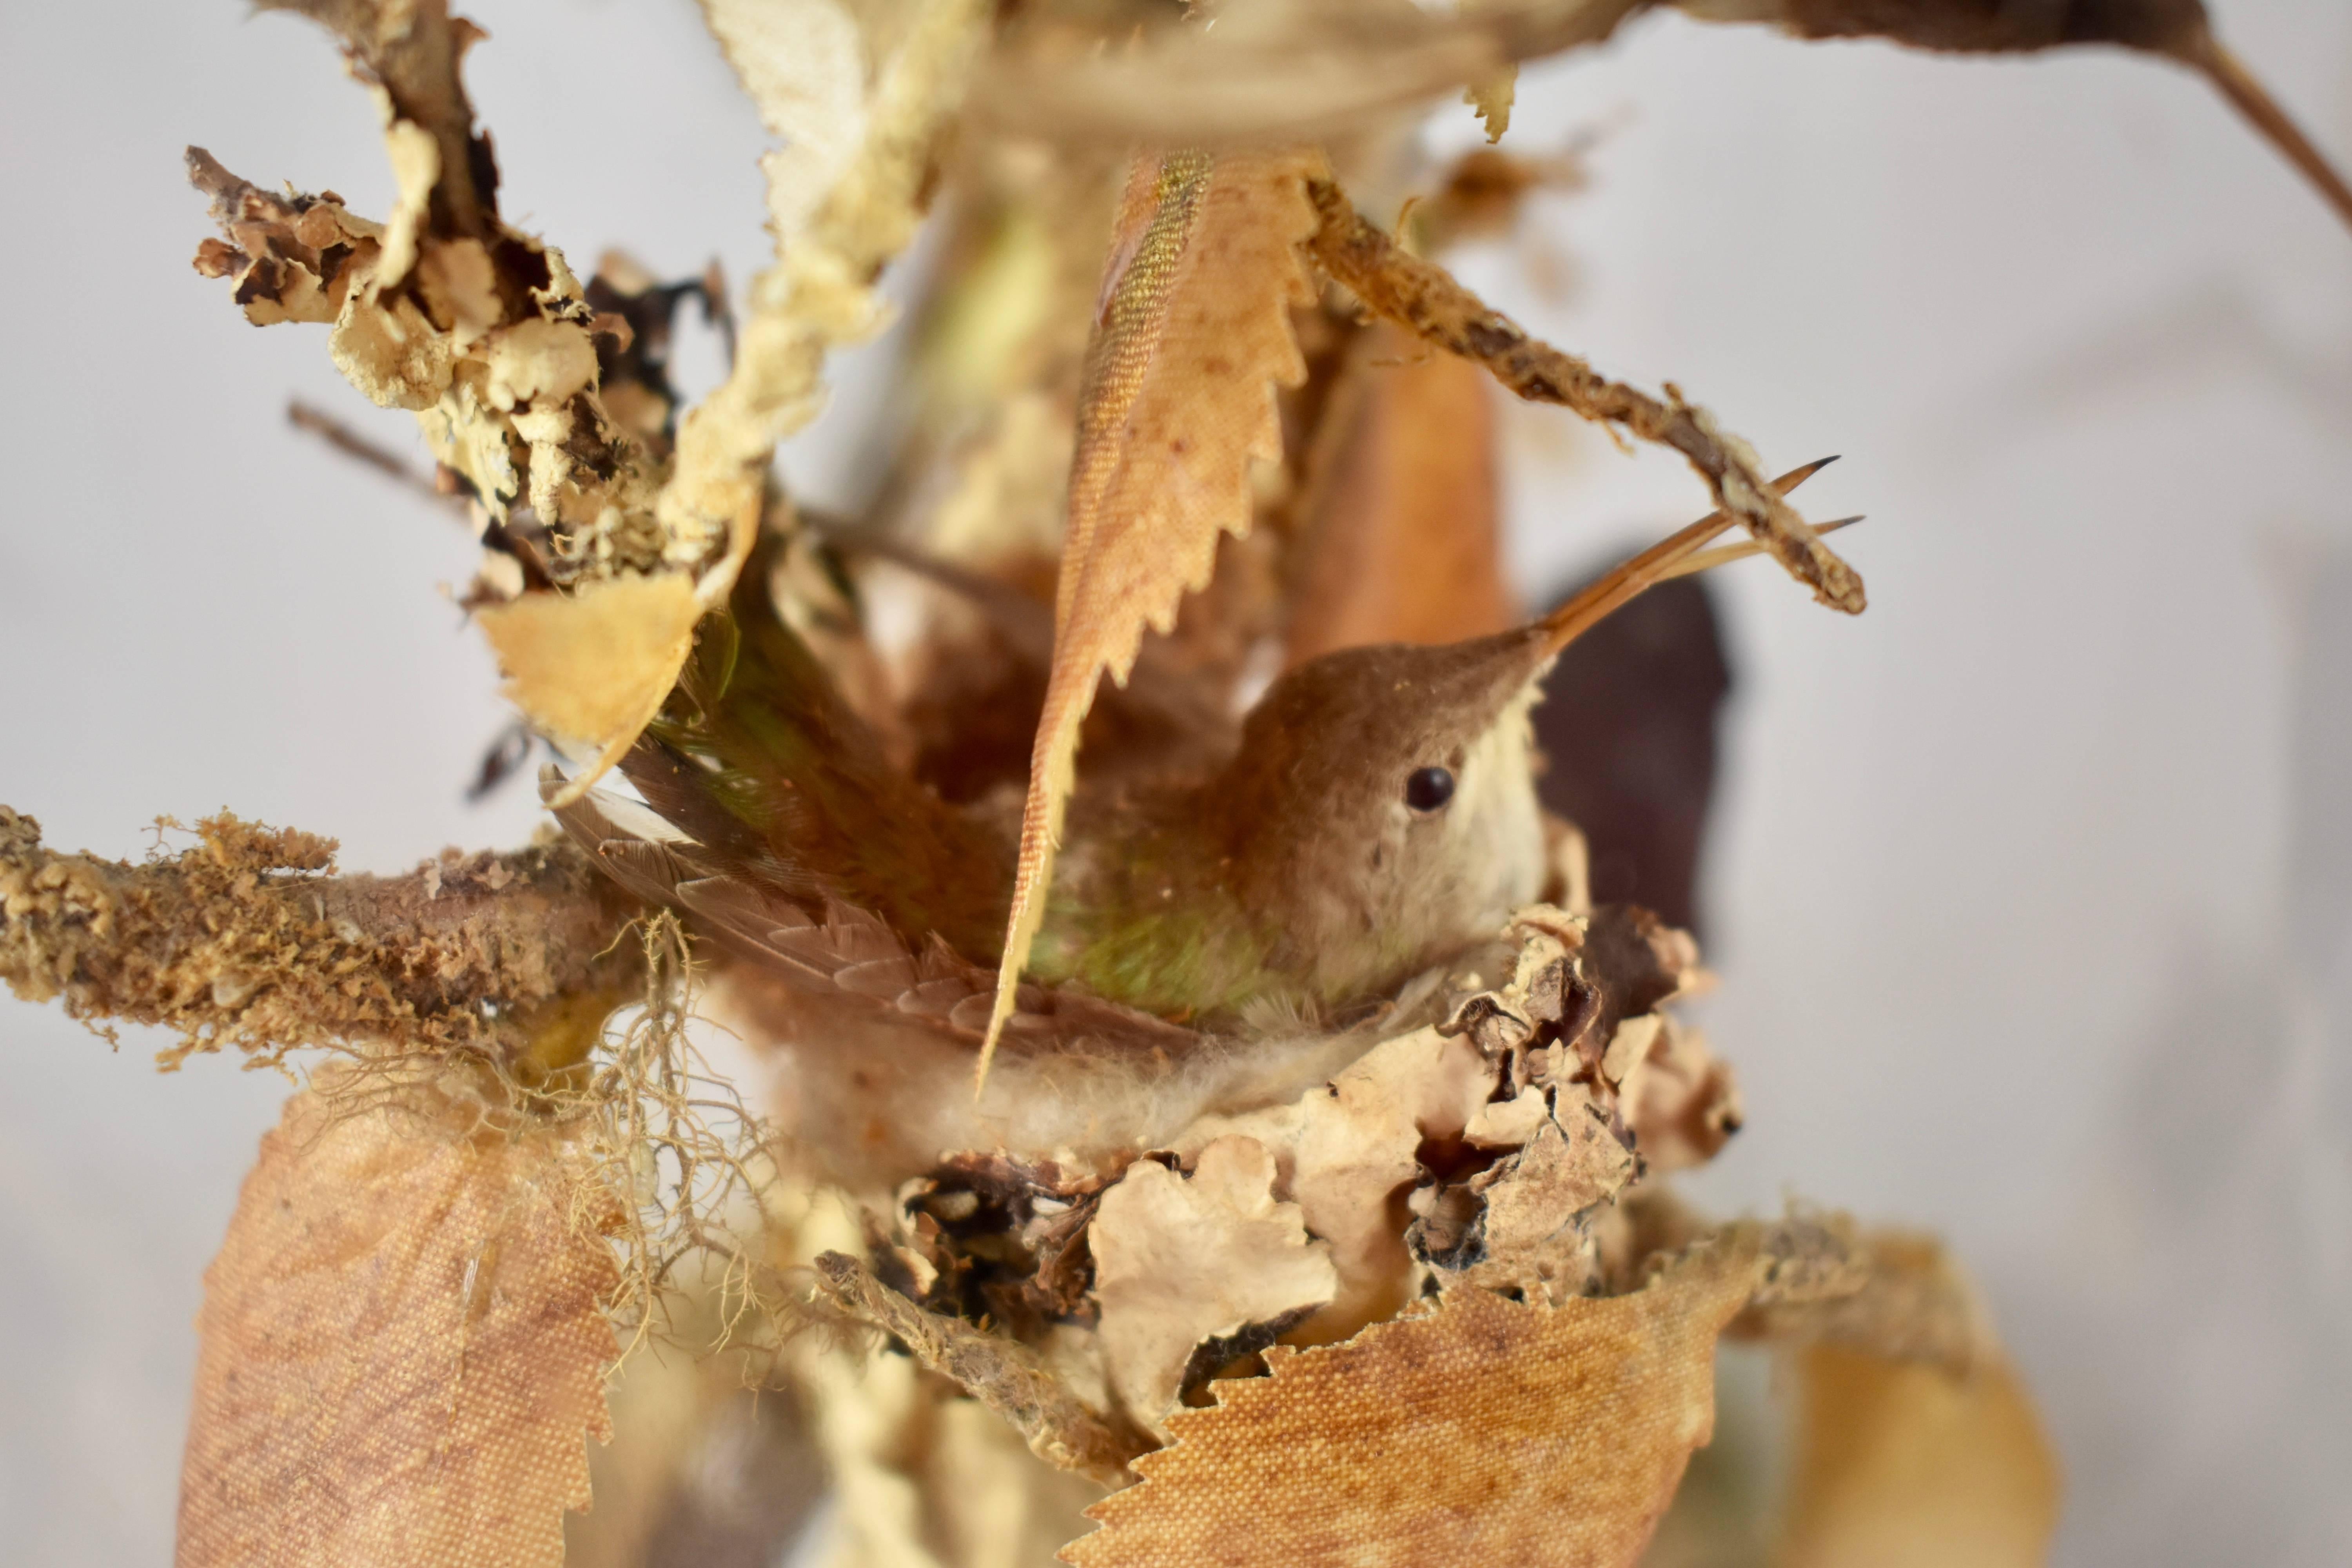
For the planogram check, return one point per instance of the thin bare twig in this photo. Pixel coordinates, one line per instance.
(2246, 94)
(313, 420)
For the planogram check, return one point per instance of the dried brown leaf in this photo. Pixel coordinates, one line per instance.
(402, 1349)
(1681, 1100)
(2179, 30)
(1970, 24)
(1484, 1431)
(1347, 1147)
(1904, 1462)
(1535, 1196)
(409, 52)
(1191, 339)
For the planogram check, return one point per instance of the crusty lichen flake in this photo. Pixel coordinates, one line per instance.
(1183, 1262)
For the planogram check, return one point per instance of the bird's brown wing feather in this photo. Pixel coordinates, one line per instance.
(832, 948)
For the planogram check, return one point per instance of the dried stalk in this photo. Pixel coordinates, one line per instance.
(1001, 1374)
(1425, 298)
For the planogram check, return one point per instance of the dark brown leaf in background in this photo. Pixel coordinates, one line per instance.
(1627, 725)
(1403, 542)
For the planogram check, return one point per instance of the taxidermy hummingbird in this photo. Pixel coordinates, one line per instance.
(1378, 817)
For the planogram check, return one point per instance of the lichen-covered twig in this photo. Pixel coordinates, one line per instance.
(1001, 1374)
(1911, 1302)
(483, 332)
(1425, 298)
(248, 941)
(1897, 1295)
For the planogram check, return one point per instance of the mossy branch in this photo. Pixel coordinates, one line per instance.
(247, 940)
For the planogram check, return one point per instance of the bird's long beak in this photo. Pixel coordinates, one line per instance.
(1623, 584)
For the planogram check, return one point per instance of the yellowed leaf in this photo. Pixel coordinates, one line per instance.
(1191, 339)
(1908, 1462)
(594, 667)
(1492, 98)
(1486, 1431)
(401, 1350)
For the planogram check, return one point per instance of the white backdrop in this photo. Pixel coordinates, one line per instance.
(2031, 890)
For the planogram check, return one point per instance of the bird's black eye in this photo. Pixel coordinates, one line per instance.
(1428, 789)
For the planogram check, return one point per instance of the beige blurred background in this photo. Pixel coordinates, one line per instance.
(2031, 890)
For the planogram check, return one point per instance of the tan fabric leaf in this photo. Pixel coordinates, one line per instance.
(402, 1348)
(1914, 1303)
(1191, 339)
(1178, 1262)
(1486, 1431)
(1905, 1462)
